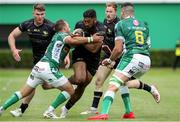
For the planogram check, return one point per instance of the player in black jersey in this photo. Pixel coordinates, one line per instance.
(85, 59)
(40, 32)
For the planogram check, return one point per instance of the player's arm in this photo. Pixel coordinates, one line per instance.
(83, 40)
(11, 41)
(95, 47)
(117, 50)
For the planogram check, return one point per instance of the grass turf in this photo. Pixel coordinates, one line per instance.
(144, 106)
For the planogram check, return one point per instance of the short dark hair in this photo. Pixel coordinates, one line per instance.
(90, 13)
(39, 7)
(112, 4)
(127, 4)
(59, 25)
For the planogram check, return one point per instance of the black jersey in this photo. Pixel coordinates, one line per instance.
(80, 53)
(98, 27)
(110, 35)
(39, 36)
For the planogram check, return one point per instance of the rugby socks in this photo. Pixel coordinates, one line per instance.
(69, 105)
(107, 101)
(96, 99)
(144, 86)
(126, 98)
(23, 107)
(11, 100)
(62, 97)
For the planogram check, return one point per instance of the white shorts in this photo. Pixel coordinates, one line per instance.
(42, 72)
(135, 66)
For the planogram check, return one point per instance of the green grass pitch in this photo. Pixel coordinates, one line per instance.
(144, 106)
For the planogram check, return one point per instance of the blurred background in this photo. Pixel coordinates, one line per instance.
(162, 17)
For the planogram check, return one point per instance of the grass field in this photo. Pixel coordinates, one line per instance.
(144, 106)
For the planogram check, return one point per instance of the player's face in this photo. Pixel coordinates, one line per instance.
(39, 16)
(67, 28)
(110, 13)
(89, 22)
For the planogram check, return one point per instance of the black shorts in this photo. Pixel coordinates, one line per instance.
(92, 62)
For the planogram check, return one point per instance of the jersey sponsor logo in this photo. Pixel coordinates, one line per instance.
(56, 51)
(135, 22)
(36, 30)
(45, 33)
(32, 77)
(38, 69)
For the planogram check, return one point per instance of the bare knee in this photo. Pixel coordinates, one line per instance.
(71, 91)
(80, 79)
(99, 83)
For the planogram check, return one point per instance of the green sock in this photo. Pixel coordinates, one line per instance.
(127, 103)
(59, 100)
(107, 101)
(10, 101)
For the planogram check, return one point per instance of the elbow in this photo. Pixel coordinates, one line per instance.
(10, 37)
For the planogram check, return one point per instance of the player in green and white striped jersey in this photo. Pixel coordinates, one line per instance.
(132, 37)
(47, 69)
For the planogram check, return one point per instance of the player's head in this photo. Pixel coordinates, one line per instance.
(62, 26)
(89, 18)
(39, 13)
(111, 11)
(127, 9)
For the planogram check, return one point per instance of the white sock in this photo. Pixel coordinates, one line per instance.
(51, 108)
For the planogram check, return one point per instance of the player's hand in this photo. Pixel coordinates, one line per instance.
(67, 62)
(78, 33)
(16, 55)
(108, 62)
(106, 49)
(97, 38)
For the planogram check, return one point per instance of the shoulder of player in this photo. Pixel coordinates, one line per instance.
(79, 24)
(100, 25)
(27, 22)
(48, 23)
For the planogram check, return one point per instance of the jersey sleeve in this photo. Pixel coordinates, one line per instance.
(23, 26)
(118, 31)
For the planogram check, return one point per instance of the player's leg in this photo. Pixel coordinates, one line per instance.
(76, 96)
(125, 95)
(115, 82)
(138, 84)
(57, 80)
(101, 75)
(31, 84)
(67, 90)
(24, 105)
(127, 68)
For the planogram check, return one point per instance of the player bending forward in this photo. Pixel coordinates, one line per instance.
(47, 69)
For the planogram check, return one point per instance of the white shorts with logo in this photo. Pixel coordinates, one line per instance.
(135, 66)
(43, 72)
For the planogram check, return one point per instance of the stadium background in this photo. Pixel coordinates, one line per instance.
(163, 19)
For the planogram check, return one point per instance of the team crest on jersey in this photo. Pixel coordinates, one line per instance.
(135, 22)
